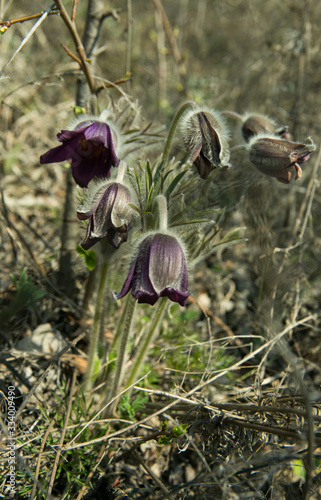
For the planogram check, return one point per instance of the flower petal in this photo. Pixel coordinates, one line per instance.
(172, 272)
(159, 269)
(98, 132)
(175, 295)
(146, 298)
(68, 135)
(128, 283)
(87, 243)
(141, 279)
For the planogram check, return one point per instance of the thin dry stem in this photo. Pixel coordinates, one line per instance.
(196, 389)
(41, 449)
(78, 44)
(173, 43)
(22, 19)
(155, 478)
(62, 437)
(45, 373)
(26, 38)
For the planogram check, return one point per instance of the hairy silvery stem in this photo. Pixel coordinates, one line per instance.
(162, 213)
(121, 357)
(232, 113)
(146, 341)
(121, 170)
(187, 105)
(120, 325)
(92, 356)
(241, 147)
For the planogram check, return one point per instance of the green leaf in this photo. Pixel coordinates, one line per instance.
(158, 172)
(164, 439)
(164, 425)
(174, 183)
(178, 430)
(138, 210)
(89, 256)
(79, 110)
(149, 176)
(298, 469)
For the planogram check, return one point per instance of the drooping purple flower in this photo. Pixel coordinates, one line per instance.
(90, 146)
(279, 157)
(109, 215)
(159, 270)
(205, 138)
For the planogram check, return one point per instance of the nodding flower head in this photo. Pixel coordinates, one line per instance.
(206, 140)
(159, 269)
(91, 148)
(108, 212)
(255, 123)
(279, 157)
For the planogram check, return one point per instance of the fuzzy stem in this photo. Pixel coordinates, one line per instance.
(187, 105)
(241, 147)
(121, 171)
(120, 363)
(120, 325)
(146, 341)
(95, 333)
(232, 113)
(162, 213)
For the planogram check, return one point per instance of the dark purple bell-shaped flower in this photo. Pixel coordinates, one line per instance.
(90, 146)
(109, 215)
(279, 157)
(158, 270)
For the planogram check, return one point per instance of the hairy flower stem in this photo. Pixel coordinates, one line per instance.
(241, 147)
(120, 325)
(187, 105)
(146, 341)
(162, 213)
(95, 333)
(232, 113)
(121, 356)
(122, 167)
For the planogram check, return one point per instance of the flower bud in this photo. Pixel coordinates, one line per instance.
(158, 270)
(91, 148)
(108, 212)
(205, 137)
(278, 157)
(254, 124)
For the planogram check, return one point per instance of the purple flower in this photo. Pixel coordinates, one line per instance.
(205, 137)
(90, 148)
(278, 157)
(158, 270)
(109, 215)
